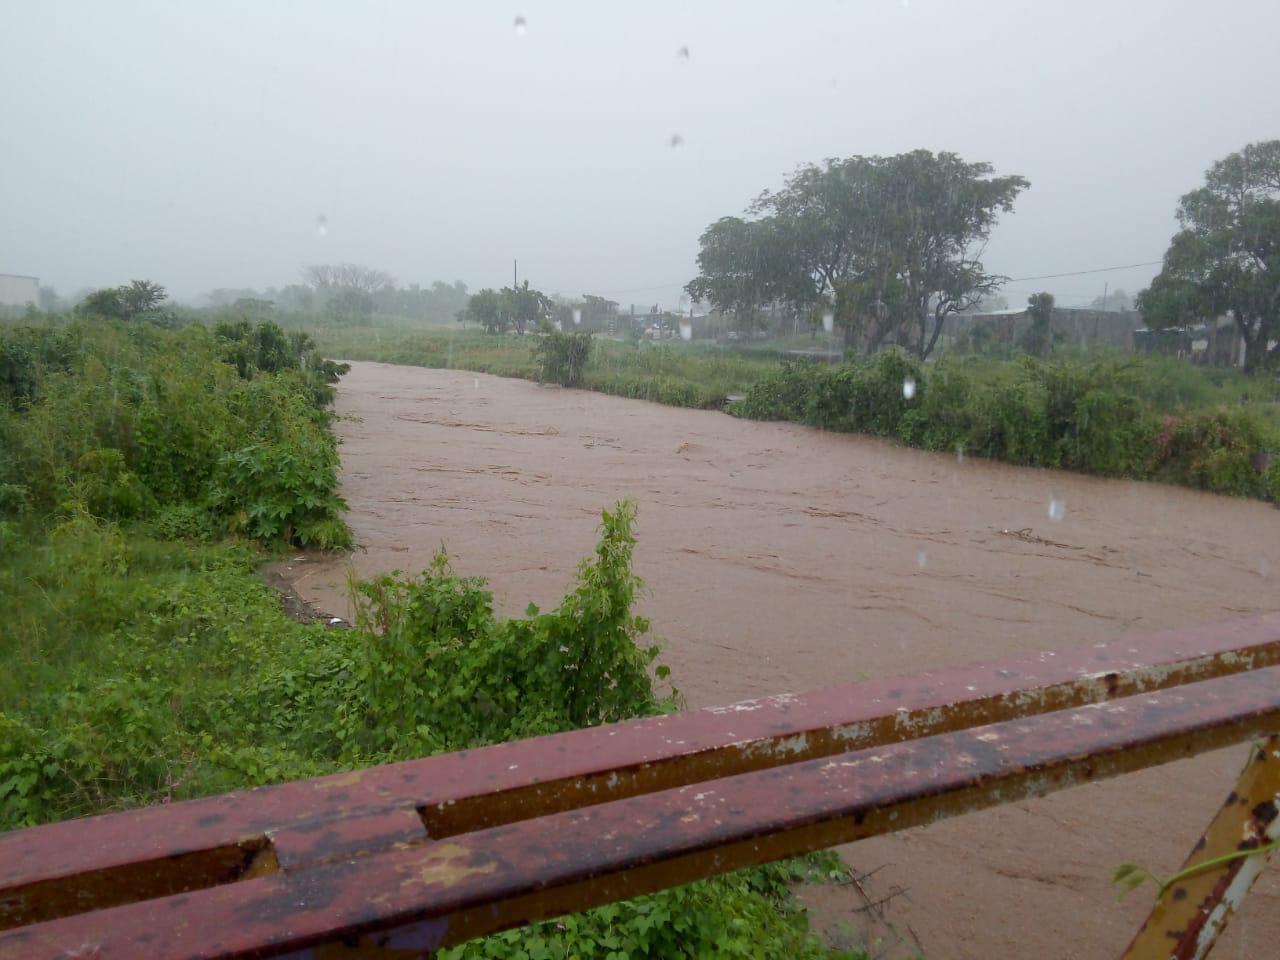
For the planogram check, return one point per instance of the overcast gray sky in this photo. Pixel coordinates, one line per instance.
(196, 144)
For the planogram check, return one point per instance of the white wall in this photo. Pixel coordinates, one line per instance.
(18, 291)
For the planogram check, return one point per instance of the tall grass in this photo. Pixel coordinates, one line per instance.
(678, 374)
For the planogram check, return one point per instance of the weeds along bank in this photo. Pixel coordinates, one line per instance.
(684, 376)
(1115, 418)
(194, 431)
(144, 475)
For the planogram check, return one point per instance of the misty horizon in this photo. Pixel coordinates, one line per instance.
(231, 145)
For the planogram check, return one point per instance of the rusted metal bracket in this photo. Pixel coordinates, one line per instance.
(416, 855)
(1193, 907)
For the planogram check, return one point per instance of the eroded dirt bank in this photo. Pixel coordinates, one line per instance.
(781, 558)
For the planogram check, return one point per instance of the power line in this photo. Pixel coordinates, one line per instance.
(656, 286)
(1081, 273)
(1044, 276)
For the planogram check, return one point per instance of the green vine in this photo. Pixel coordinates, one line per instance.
(1130, 876)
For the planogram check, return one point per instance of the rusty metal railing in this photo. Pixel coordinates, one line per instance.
(402, 859)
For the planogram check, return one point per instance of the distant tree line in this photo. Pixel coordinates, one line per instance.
(348, 293)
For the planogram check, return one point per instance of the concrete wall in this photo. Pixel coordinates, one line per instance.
(1079, 328)
(18, 291)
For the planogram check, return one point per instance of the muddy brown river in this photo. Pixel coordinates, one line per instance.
(780, 558)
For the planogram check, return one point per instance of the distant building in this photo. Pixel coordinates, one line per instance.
(17, 290)
(1215, 344)
(1080, 328)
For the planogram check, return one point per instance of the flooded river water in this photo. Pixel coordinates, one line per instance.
(780, 558)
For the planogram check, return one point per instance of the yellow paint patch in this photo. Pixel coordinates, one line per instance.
(443, 865)
(345, 780)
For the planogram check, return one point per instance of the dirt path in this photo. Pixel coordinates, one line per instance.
(781, 558)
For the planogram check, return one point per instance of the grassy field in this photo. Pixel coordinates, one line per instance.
(675, 373)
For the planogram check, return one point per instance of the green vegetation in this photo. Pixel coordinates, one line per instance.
(131, 422)
(1143, 419)
(682, 375)
(512, 308)
(885, 247)
(146, 661)
(1226, 258)
(563, 356)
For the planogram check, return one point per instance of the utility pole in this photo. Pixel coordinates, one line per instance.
(514, 282)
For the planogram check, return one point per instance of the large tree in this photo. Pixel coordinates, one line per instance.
(890, 245)
(347, 290)
(526, 307)
(136, 300)
(1225, 259)
(338, 277)
(485, 308)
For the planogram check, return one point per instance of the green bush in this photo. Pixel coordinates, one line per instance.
(477, 679)
(141, 671)
(129, 419)
(1090, 415)
(1010, 423)
(563, 356)
(1219, 451)
(942, 418)
(1110, 434)
(1271, 479)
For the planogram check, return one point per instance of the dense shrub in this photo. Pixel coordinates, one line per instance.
(168, 671)
(1096, 416)
(563, 356)
(266, 348)
(1220, 451)
(477, 679)
(867, 397)
(125, 420)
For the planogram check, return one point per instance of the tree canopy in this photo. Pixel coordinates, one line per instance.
(517, 308)
(136, 300)
(891, 245)
(1225, 259)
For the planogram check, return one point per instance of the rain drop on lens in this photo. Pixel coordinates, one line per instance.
(521, 25)
(577, 316)
(676, 141)
(828, 321)
(960, 454)
(322, 226)
(682, 53)
(908, 388)
(922, 559)
(1057, 509)
(686, 330)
